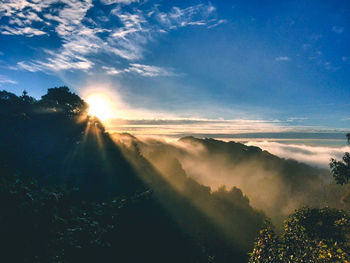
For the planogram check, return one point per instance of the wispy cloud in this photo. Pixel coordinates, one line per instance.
(26, 31)
(125, 2)
(128, 41)
(4, 79)
(219, 22)
(314, 155)
(112, 70)
(149, 71)
(282, 58)
(23, 12)
(198, 15)
(85, 37)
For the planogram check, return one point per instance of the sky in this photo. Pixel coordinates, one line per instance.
(187, 67)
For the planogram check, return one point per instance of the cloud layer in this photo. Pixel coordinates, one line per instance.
(314, 155)
(174, 125)
(5, 79)
(276, 186)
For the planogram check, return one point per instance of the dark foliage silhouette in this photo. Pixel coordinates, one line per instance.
(71, 194)
(341, 169)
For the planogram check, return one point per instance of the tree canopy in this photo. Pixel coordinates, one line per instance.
(341, 169)
(309, 235)
(62, 99)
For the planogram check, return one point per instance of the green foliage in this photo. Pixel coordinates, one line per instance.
(266, 247)
(341, 169)
(310, 235)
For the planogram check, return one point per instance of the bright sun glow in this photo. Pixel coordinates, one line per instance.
(100, 106)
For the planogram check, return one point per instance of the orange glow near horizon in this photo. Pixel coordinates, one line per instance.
(100, 106)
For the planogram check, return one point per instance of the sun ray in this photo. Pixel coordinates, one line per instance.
(100, 106)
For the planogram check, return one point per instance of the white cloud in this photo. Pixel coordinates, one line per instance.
(143, 70)
(84, 37)
(29, 66)
(128, 41)
(26, 31)
(22, 14)
(221, 21)
(125, 2)
(57, 62)
(314, 155)
(282, 58)
(139, 28)
(112, 70)
(4, 79)
(194, 15)
(149, 71)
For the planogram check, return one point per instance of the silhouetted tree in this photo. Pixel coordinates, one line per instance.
(25, 98)
(11, 105)
(62, 99)
(341, 169)
(8, 97)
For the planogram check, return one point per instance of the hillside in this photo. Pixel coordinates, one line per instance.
(70, 187)
(274, 185)
(55, 149)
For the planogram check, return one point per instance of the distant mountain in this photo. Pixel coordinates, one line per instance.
(275, 185)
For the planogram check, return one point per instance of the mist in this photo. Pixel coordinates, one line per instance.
(314, 155)
(273, 185)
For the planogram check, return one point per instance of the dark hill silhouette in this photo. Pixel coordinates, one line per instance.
(60, 164)
(54, 140)
(71, 192)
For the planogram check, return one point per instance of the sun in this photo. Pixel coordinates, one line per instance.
(100, 106)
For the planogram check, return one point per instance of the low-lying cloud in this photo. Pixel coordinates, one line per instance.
(314, 155)
(273, 185)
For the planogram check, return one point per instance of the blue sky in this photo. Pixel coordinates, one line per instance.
(236, 66)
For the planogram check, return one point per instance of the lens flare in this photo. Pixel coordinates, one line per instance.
(100, 106)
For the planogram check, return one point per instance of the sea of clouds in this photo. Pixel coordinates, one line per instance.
(316, 155)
